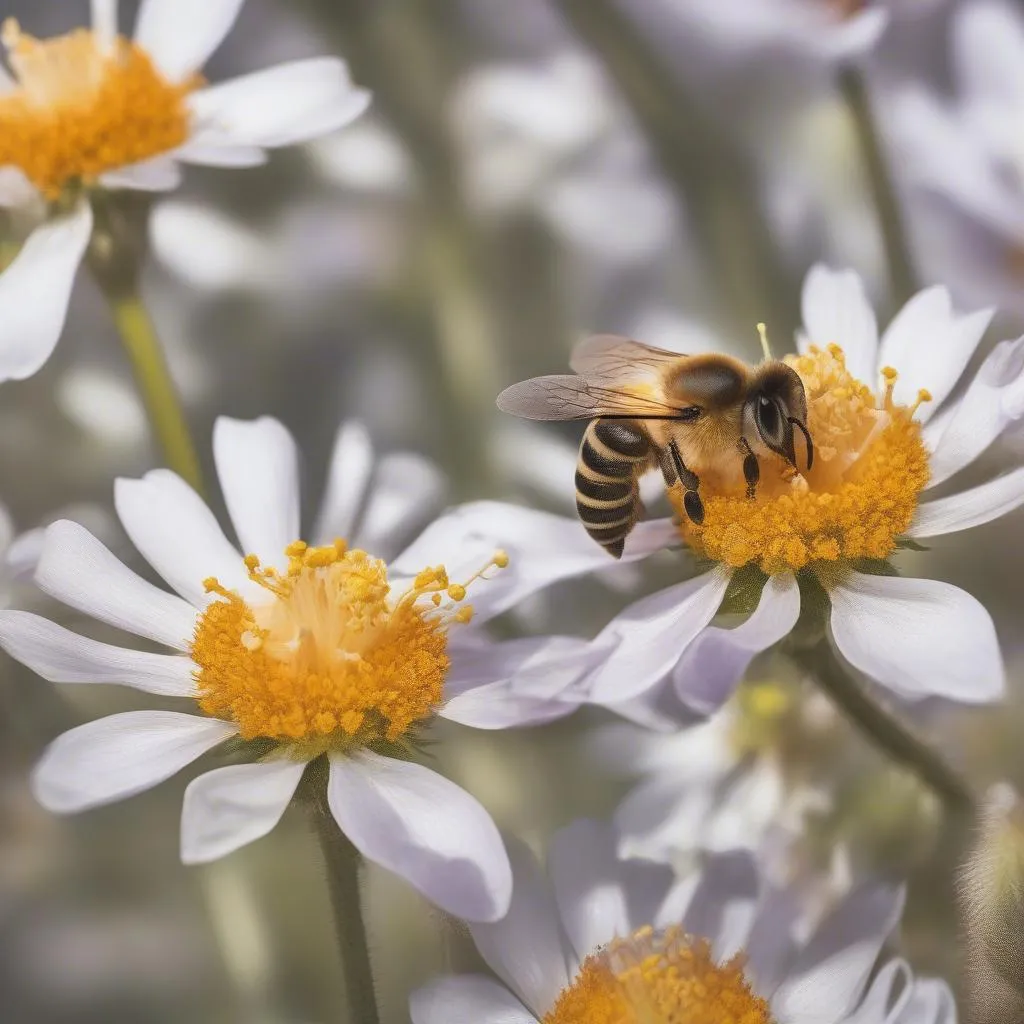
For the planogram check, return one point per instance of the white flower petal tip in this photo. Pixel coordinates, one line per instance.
(650, 636)
(857, 36)
(61, 656)
(836, 310)
(921, 638)
(347, 479)
(180, 35)
(230, 807)
(716, 661)
(258, 468)
(971, 508)
(425, 829)
(161, 174)
(467, 999)
(35, 291)
(117, 757)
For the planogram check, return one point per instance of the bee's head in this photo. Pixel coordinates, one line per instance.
(776, 403)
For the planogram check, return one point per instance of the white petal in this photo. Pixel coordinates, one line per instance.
(651, 635)
(886, 998)
(180, 35)
(970, 508)
(208, 154)
(716, 661)
(280, 106)
(836, 310)
(526, 948)
(542, 549)
(61, 656)
(918, 637)
(23, 552)
(160, 174)
(930, 346)
(406, 492)
(426, 829)
(229, 807)
(830, 973)
(77, 569)
(104, 23)
(772, 943)
(258, 469)
(347, 478)
(992, 401)
(988, 49)
(663, 816)
(467, 999)
(498, 706)
(724, 902)
(178, 535)
(35, 291)
(116, 757)
(930, 1001)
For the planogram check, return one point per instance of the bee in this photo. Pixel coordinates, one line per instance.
(699, 418)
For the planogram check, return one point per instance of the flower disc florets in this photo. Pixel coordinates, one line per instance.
(870, 465)
(665, 977)
(331, 659)
(81, 108)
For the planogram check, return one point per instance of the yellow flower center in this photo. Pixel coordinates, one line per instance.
(664, 977)
(80, 110)
(331, 659)
(870, 465)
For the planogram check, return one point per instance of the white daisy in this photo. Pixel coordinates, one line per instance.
(95, 110)
(597, 939)
(820, 539)
(299, 654)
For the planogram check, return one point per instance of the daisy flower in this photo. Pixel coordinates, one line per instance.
(299, 652)
(887, 425)
(598, 939)
(95, 110)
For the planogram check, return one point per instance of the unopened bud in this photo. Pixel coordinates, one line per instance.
(992, 901)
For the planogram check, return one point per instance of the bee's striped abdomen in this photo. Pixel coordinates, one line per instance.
(611, 455)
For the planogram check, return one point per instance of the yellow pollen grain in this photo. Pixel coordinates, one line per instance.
(860, 496)
(331, 657)
(79, 111)
(659, 978)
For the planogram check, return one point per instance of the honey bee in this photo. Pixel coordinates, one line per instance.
(697, 418)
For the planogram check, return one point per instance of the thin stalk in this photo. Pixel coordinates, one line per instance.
(886, 732)
(156, 386)
(902, 278)
(341, 860)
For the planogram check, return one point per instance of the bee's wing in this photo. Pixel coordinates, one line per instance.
(621, 359)
(571, 397)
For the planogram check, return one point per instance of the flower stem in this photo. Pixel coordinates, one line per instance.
(886, 732)
(154, 382)
(902, 279)
(342, 862)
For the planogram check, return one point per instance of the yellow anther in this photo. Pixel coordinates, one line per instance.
(435, 600)
(296, 549)
(464, 614)
(457, 592)
(837, 353)
(501, 559)
(890, 374)
(762, 333)
(252, 562)
(210, 584)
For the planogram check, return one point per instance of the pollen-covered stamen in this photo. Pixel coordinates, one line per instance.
(82, 107)
(659, 977)
(332, 658)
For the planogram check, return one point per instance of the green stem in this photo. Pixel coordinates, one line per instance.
(342, 862)
(886, 732)
(156, 386)
(902, 279)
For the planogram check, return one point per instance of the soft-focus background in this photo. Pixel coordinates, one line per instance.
(530, 171)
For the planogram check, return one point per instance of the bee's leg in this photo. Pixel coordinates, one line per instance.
(751, 469)
(667, 466)
(691, 482)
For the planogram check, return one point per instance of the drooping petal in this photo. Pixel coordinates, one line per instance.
(209, 154)
(160, 174)
(526, 948)
(104, 22)
(467, 999)
(921, 638)
(35, 291)
(716, 661)
(258, 468)
(116, 757)
(542, 549)
(279, 106)
(426, 829)
(724, 902)
(347, 478)
(988, 50)
(831, 971)
(229, 807)
(180, 35)
(930, 346)
(77, 569)
(930, 1001)
(836, 310)
(178, 535)
(61, 656)
(887, 996)
(970, 508)
(651, 635)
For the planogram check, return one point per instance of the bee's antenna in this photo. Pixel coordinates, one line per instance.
(762, 333)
